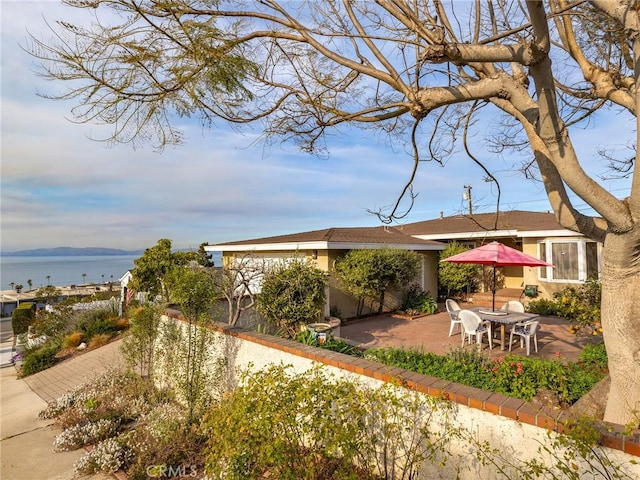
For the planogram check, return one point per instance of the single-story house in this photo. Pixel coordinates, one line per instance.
(324, 247)
(575, 257)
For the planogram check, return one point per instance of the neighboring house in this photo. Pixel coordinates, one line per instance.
(127, 294)
(325, 246)
(575, 257)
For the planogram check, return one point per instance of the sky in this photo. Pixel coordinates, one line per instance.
(61, 188)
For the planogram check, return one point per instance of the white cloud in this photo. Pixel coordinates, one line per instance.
(61, 188)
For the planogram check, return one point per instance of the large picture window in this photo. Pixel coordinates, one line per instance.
(574, 260)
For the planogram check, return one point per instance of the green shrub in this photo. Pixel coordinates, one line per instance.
(543, 307)
(53, 323)
(292, 294)
(523, 377)
(580, 304)
(466, 367)
(39, 358)
(368, 274)
(594, 354)
(417, 300)
(455, 278)
(97, 322)
(22, 317)
(310, 425)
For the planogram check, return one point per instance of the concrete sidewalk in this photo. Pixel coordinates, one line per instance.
(27, 442)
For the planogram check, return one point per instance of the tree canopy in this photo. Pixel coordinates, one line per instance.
(151, 269)
(423, 72)
(456, 277)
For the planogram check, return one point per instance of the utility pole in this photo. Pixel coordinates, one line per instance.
(467, 196)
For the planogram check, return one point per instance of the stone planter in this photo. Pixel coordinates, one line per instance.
(320, 331)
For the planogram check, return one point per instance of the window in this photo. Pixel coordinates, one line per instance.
(564, 255)
(574, 260)
(542, 253)
(592, 260)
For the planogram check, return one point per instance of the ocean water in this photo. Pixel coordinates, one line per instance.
(62, 271)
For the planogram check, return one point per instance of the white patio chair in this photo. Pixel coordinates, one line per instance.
(513, 306)
(474, 326)
(525, 331)
(453, 309)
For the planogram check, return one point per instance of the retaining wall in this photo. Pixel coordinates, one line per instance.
(516, 427)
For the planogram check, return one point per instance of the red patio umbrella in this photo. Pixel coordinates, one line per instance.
(497, 255)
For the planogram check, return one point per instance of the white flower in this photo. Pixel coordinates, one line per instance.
(84, 434)
(109, 456)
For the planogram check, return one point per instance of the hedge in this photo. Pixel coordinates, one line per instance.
(22, 317)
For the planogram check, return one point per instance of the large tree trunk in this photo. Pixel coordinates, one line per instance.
(621, 325)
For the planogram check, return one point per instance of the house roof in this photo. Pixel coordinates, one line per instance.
(514, 223)
(333, 238)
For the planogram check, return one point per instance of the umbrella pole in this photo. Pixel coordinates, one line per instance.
(493, 303)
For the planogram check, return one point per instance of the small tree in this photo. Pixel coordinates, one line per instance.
(139, 345)
(204, 258)
(293, 293)
(237, 281)
(48, 295)
(152, 268)
(456, 277)
(371, 273)
(192, 288)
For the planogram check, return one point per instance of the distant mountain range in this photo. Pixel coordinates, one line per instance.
(71, 252)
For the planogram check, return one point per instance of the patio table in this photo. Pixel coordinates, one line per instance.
(503, 318)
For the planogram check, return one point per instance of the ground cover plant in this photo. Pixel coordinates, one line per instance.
(511, 375)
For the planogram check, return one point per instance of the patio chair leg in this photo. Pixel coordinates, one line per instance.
(452, 327)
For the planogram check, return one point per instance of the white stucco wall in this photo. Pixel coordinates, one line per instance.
(517, 441)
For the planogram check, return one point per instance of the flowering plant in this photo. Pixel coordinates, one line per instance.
(84, 434)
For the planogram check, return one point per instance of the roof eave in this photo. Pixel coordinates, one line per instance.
(500, 234)
(293, 246)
